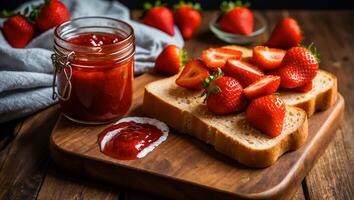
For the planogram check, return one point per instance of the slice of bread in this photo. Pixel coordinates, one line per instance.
(321, 97)
(232, 135)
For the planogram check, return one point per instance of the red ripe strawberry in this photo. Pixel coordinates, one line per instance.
(18, 31)
(224, 95)
(159, 16)
(50, 14)
(237, 18)
(242, 71)
(267, 58)
(170, 60)
(217, 57)
(267, 114)
(264, 86)
(298, 67)
(193, 75)
(305, 88)
(285, 35)
(187, 18)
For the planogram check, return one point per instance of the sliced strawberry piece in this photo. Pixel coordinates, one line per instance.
(217, 57)
(242, 71)
(193, 75)
(305, 88)
(264, 86)
(267, 58)
(267, 114)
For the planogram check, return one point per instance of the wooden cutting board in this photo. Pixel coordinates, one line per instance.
(183, 167)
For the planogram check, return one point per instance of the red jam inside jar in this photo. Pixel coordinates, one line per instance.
(94, 84)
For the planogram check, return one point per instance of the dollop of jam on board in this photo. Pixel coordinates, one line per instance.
(130, 140)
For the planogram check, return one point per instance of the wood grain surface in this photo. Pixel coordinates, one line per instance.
(330, 178)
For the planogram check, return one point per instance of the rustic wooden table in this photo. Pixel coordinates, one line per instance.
(27, 171)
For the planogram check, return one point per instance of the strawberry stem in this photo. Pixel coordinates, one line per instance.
(184, 56)
(215, 75)
(148, 5)
(195, 6)
(7, 14)
(228, 5)
(313, 50)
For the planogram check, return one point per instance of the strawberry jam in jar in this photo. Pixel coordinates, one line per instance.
(94, 69)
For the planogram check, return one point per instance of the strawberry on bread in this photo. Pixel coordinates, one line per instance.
(299, 67)
(50, 14)
(223, 94)
(193, 75)
(217, 57)
(285, 35)
(159, 16)
(266, 85)
(267, 114)
(170, 60)
(267, 58)
(236, 18)
(242, 71)
(187, 17)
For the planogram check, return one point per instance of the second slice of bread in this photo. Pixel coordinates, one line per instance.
(232, 135)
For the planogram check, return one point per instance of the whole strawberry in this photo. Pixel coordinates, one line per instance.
(224, 95)
(18, 31)
(285, 35)
(267, 114)
(187, 18)
(299, 67)
(50, 14)
(236, 18)
(159, 16)
(170, 60)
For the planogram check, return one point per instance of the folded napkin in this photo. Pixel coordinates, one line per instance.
(26, 74)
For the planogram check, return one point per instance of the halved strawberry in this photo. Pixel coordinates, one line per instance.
(193, 75)
(217, 57)
(264, 86)
(267, 114)
(170, 60)
(267, 58)
(305, 88)
(242, 71)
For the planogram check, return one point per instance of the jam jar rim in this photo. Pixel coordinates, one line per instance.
(58, 36)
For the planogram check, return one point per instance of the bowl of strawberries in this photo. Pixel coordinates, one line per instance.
(237, 24)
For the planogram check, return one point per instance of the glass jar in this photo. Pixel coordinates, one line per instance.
(94, 68)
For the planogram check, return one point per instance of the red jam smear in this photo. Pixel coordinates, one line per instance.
(130, 141)
(101, 90)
